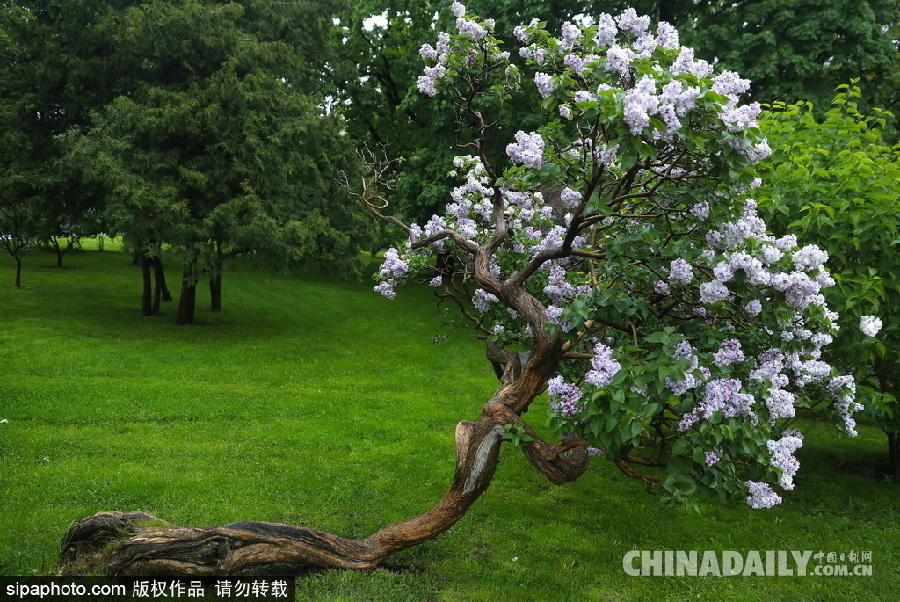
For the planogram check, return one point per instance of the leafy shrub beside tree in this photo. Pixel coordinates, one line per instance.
(835, 182)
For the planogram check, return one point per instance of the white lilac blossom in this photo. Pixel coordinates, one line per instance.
(870, 325)
(570, 35)
(618, 60)
(428, 51)
(667, 36)
(569, 197)
(754, 307)
(782, 451)
(686, 64)
(606, 30)
(528, 149)
(545, 84)
(809, 258)
(761, 495)
(713, 292)
(583, 96)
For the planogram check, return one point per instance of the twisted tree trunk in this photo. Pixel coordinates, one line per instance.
(136, 543)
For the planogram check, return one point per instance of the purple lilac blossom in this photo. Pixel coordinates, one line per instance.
(630, 21)
(782, 452)
(729, 353)
(761, 495)
(680, 271)
(606, 30)
(564, 397)
(545, 84)
(843, 389)
(603, 367)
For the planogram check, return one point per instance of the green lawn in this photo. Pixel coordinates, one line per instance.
(317, 402)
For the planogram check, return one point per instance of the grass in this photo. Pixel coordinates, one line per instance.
(316, 402)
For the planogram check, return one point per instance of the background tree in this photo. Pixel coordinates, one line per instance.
(217, 150)
(650, 300)
(800, 49)
(54, 72)
(834, 181)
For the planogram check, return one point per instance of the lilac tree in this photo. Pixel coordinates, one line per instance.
(614, 259)
(622, 248)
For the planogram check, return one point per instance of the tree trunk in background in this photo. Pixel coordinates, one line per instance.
(894, 453)
(188, 300)
(215, 292)
(161, 279)
(147, 288)
(18, 272)
(160, 291)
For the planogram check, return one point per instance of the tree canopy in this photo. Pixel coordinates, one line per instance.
(200, 127)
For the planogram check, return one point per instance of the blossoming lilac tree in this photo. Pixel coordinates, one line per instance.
(616, 260)
(673, 331)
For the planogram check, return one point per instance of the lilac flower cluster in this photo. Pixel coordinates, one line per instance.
(720, 395)
(761, 495)
(870, 325)
(603, 367)
(783, 459)
(680, 271)
(392, 270)
(729, 353)
(564, 397)
(691, 380)
(528, 149)
(427, 84)
(843, 390)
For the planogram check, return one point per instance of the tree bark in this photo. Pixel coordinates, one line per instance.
(188, 300)
(215, 293)
(160, 275)
(147, 288)
(18, 272)
(138, 544)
